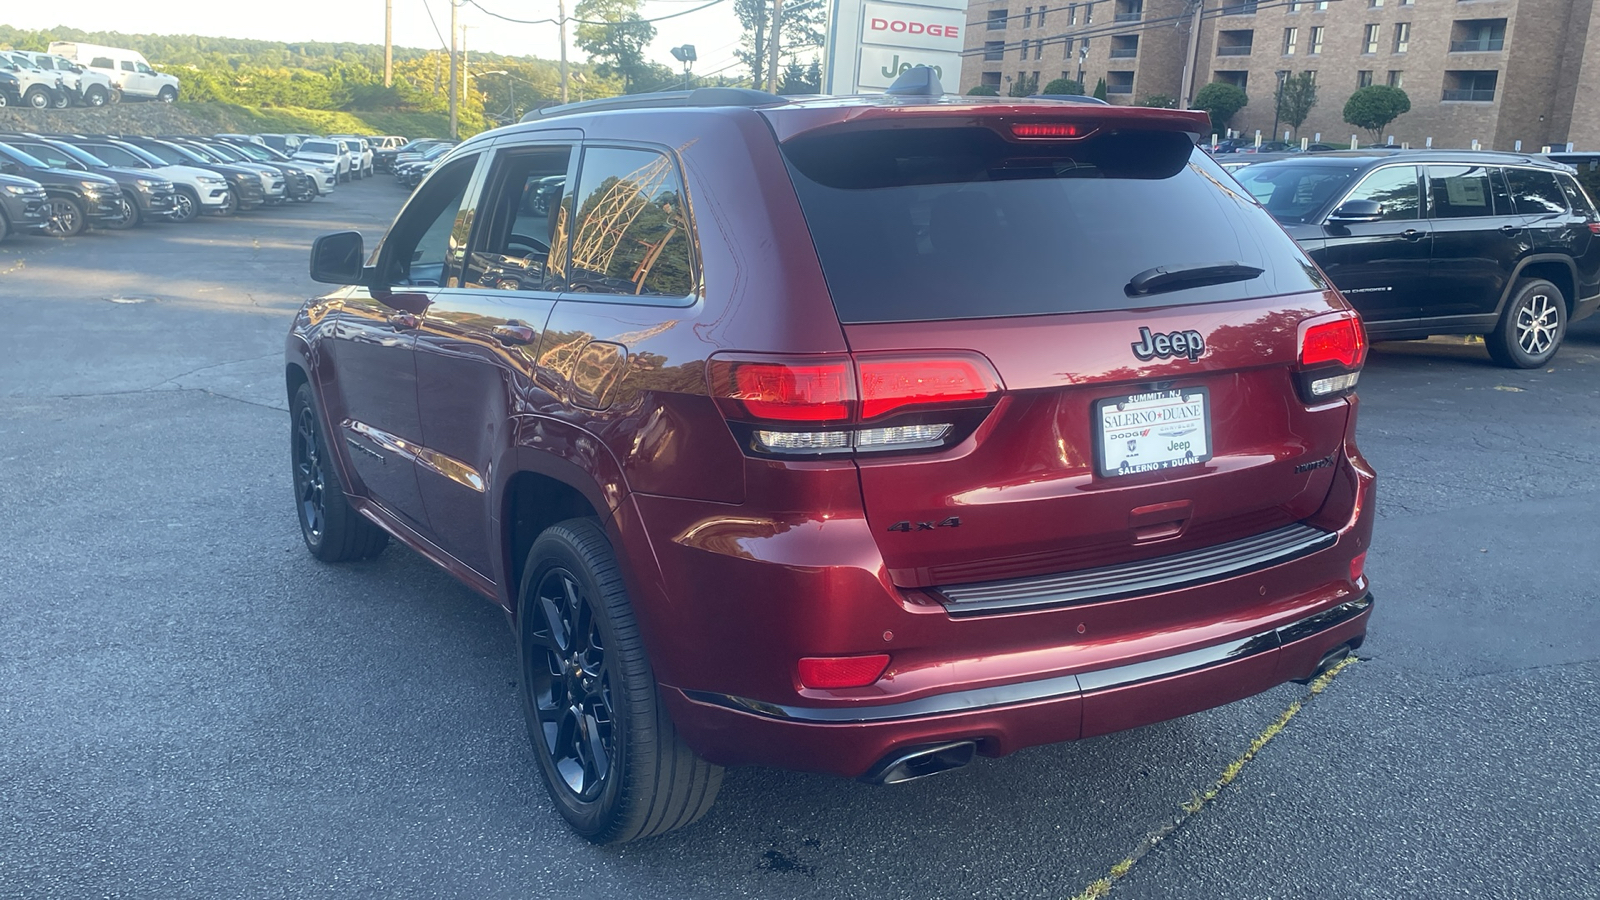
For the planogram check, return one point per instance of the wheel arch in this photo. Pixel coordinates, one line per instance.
(1552, 267)
(532, 500)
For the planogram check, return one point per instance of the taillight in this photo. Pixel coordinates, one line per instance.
(1594, 227)
(868, 402)
(1332, 350)
(842, 671)
(1056, 130)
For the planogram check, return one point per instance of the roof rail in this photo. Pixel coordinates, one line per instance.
(716, 96)
(1070, 98)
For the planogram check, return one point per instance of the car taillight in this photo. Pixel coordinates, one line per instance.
(866, 402)
(842, 671)
(1332, 350)
(1048, 130)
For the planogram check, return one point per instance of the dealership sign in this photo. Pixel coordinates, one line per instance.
(871, 43)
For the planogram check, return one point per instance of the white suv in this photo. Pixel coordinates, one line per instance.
(360, 154)
(325, 152)
(82, 86)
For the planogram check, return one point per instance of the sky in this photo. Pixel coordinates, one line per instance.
(714, 31)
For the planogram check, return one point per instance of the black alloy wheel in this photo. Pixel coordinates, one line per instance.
(612, 761)
(332, 529)
(130, 214)
(63, 217)
(1531, 327)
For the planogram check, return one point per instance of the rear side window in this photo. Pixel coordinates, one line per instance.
(632, 234)
(960, 223)
(1535, 193)
(1461, 192)
(102, 62)
(1576, 196)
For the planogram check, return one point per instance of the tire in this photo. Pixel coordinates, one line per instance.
(644, 780)
(188, 205)
(60, 100)
(131, 216)
(37, 97)
(95, 96)
(3, 100)
(1531, 327)
(232, 206)
(332, 529)
(167, 95)
(65, 217)
(5, 226)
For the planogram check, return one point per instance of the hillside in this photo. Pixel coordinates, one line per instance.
(215, 118)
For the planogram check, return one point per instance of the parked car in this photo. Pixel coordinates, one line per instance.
(415, 150)
(27, 84)
(74, 199)
(275, 181)
(283, 143)
(79, 85)
(766, 469)
(305, 180)
(360, 154)
(1445, 242)
(132, 74)
(23, 203)
(1586, 166)
(323, 152)
(145, 197)
(198, 190)
(410, 173)
(383, 150)
(245, 190)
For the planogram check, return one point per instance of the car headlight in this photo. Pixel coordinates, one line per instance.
(18, 189)
(210, 179)
(145, 183)
(95, 187)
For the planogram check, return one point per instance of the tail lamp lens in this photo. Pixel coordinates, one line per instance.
(787, 392)
(1340, 339)
(842, 671)
(889, 383)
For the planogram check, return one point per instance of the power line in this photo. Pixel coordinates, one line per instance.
(429, 9)
(1114, 27)
(486, 11)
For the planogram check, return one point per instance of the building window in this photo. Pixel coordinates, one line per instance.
(1088, 14)
(1042, 11)
(1408, 2)
(1024, 48)
(1235, 43)
(997, 19)
(1239, 7)
(1364, 78)
(1072, 14)
(1374, 4)
(1477, 87)
(1119, 82)
(1124, 46)
(1066, 50)
(1402, 37)
(993, 50)
(991, 79)
(1290, 36)
(1396, 78)
(1316, 40)
(1294, 5)
(1038, 49)
(1129, 10)
(1027, 17)
(1370, 43)
(1322, 6)
(1478, 35)
(1239, 80)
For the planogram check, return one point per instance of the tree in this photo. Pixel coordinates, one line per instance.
(1220, 100)
(1024, 86)
(802, 80)
(1064, 86)
(1100, 89)
(617, 47)
(801, 32)
(1296, 95)
(1159, 101)
(1374, 107)
(984, 90)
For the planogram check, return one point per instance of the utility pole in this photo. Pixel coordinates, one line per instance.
(1186, 89)
(772, 46)
(388, 43)
(454, 75)
(466, 70)
(561, 23)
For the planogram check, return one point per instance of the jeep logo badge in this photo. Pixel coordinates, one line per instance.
(1165, 346)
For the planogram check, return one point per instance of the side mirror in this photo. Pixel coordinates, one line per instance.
(1356, 211)
(337, 258)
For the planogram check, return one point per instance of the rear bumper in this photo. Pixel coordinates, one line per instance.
(1005, 718)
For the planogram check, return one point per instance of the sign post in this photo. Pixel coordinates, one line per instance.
(871, 42)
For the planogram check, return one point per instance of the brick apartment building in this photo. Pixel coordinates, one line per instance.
(1495, 71)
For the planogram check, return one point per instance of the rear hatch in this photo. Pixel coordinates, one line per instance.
(1143, 318)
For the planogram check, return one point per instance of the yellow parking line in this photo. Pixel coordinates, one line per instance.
(1100, 887)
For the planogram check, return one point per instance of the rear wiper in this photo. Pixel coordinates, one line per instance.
(1174, 278)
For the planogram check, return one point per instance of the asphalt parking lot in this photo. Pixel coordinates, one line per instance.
(190, 706)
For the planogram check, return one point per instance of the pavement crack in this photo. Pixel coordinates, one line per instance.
(1192, 807)
(229, 362)
(158, 390)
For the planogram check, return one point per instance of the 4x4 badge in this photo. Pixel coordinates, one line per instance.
(952, 522)
(1178, 343)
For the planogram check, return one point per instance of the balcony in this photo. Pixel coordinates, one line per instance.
(1478, 46)
(1243, 50)
(1124, 52)
(1476, 95)
(1119, 88)
(1239, 7)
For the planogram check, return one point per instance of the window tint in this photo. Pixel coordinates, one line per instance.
(1293, 193)
(959, 223)
(146, 69)
(127, 66)
(102, 62)
(116, 156)
(1460, 191)
(632, 234)
(1395, 188)
(522, 242)
(1575, 196)
(51, 157)
(1535, 193)
(425, 246)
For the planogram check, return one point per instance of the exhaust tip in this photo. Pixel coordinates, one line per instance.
(1329, 660)
(920, 762)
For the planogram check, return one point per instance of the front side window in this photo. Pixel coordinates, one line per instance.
(52, 157)
(526, 218)
(1461, 192)
(145, 69)
(1395, 188)
(632, 234)
(1535, 193)
(1293, 193)
(425, 246)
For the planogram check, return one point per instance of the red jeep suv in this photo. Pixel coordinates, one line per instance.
(852, 435)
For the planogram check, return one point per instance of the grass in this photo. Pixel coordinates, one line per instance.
(231, 117)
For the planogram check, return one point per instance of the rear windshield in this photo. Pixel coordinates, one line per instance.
(319, 147)
(1294, 193)
(959, 223)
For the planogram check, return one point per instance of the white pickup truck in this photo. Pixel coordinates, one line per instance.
(127, 69)
(79, 84)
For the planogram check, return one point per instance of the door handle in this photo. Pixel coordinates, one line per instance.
(1510, 229)
(402, 321)
(514, 332)
(1411, 234)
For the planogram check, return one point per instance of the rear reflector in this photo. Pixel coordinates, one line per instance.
(1047, 130)
(842, 671)
(1334, 339)
(1358, 566)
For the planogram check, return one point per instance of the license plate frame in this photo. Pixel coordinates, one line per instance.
(1116, 444)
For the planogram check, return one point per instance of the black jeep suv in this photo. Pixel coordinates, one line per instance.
(1445, 242)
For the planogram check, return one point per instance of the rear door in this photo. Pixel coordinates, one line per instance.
(1477, 240)
(1046, 258)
